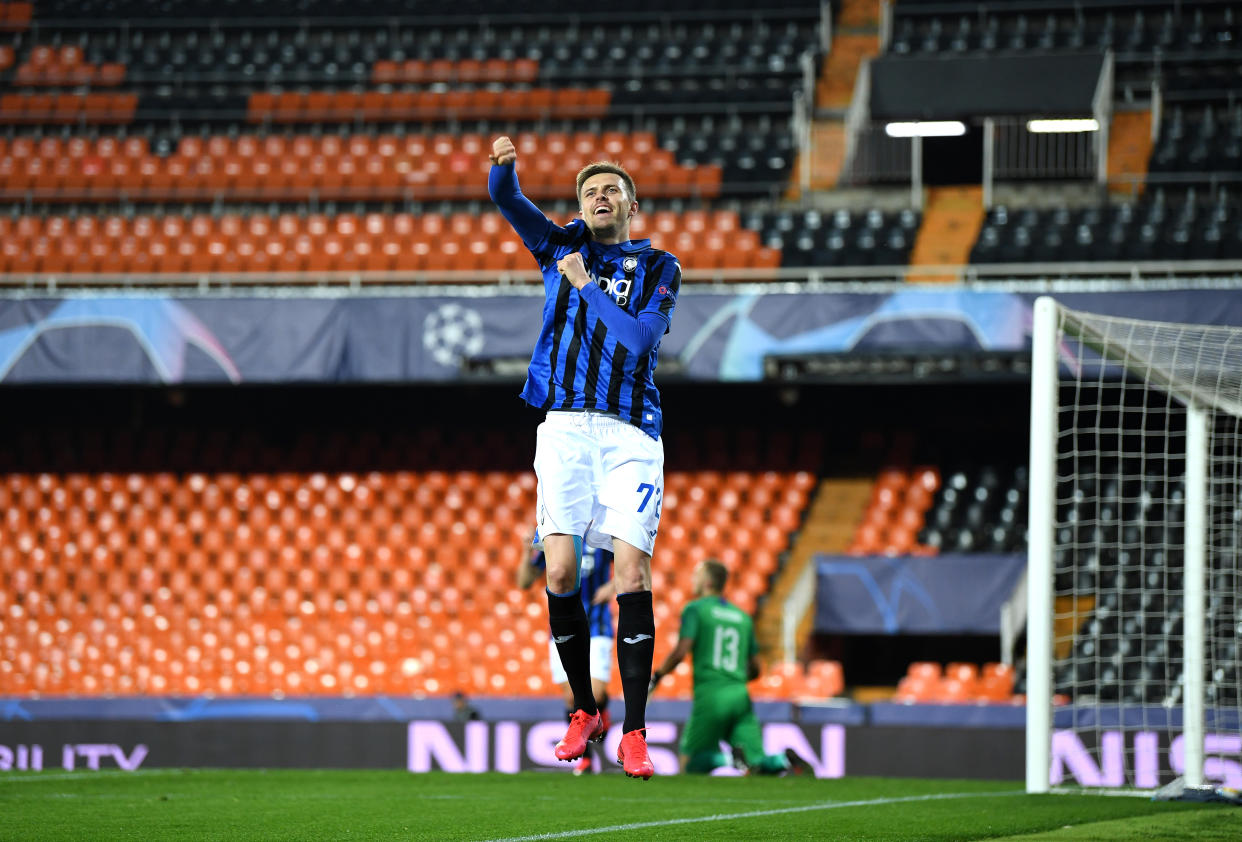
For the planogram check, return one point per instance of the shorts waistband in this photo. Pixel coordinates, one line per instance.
(601, 412)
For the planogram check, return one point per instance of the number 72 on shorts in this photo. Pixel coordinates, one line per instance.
(645, 491)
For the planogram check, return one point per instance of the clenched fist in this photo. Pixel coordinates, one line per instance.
(503, 151)
(574, 270)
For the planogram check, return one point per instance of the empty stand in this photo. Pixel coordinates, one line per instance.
(1142, 29)
(412, 167)
(318, 581)
(896, 513)
(391, 107)
(1203, 139)
(1163, 225)
(838, 238)
(927, 682)
(977, 510)
(306, 242)
(1120, 610)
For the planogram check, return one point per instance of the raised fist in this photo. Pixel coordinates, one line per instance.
(503, 151)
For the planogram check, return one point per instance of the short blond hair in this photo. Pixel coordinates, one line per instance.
(606, 167)
(717, 574)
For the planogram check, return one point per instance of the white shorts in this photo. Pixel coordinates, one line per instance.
(599, 478)
(601, 661)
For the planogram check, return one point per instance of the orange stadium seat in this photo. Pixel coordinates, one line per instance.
(200, 555)
(824, 679)
(780, 681)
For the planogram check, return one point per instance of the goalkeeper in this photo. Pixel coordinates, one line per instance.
(721, 638)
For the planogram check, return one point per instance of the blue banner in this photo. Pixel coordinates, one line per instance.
(947, 594)
(342, 337)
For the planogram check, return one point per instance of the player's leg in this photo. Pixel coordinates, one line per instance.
(570, 634)
(567, 617)
(559, 679)
(635, 629)
(635, 652)
(601, 674)
(564, 465)
(630, 494)
(746, 737)
(700, 740)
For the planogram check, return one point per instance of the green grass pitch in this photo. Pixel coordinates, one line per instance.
(380, 805)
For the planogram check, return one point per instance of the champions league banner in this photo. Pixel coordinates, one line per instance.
(1114, 758)
(337, 336)
(432, 745)
(1091, 745)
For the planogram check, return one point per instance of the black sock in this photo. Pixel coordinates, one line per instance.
(635, 651)
(573, 642)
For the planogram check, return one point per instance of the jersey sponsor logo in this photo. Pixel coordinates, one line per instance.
(618, 288)
(638, 638)
(663, 290)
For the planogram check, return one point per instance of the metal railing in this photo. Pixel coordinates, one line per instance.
(1085, 276)
(520, 16)
(1010, 153)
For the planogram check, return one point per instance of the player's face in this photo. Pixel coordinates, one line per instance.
(607, 206)
(700, 581)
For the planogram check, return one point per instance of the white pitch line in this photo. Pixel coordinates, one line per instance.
(752, 814)
(31, 777)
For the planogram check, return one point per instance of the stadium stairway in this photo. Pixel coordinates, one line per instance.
(834, 511)
(1129, 149)
(1069, 619)
(855, 39)
(952, 217)
(859, 14)
(840, 68)
(827, 158)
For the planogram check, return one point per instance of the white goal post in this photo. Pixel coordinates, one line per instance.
(1133, 608)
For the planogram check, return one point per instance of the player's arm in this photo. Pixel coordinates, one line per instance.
(502, 184)
(605, 593)
(753, 667)
(529, 569)
(638, 335)
(681, 650)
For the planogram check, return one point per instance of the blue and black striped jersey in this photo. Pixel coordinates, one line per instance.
(596, 571)
(577, 363)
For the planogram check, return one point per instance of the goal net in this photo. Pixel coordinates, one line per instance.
(1133, 614)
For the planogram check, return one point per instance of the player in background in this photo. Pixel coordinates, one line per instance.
(598, 591)
(599, 458)
(720, 638)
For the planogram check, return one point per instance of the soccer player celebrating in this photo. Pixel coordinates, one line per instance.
(722, 639)
(597, 590)
(599, 458)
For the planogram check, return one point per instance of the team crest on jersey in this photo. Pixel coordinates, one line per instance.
(629, 264)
